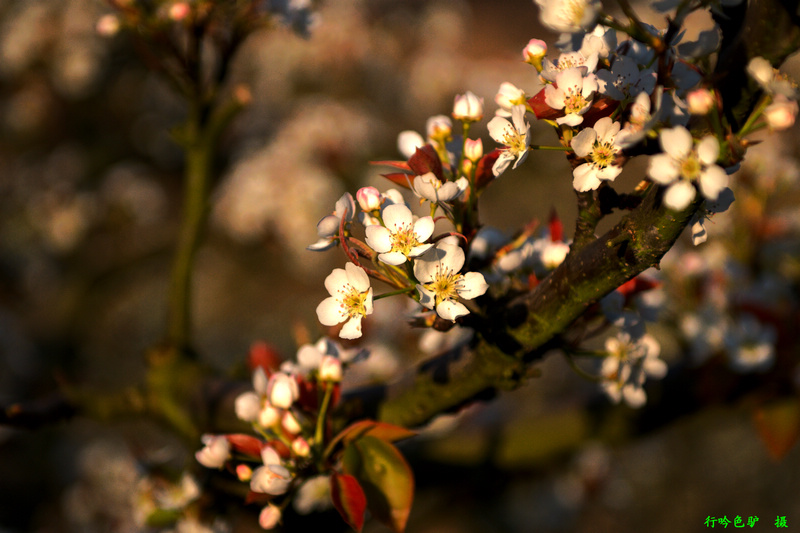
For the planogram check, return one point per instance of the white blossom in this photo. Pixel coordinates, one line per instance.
(515, 135)
(441, 283)
(569, 16)
(328, 227)
(401, 236)
(682, 165)
(573, 92)
(215, 453)
(350, 300)
(597, 146)
(430, 188)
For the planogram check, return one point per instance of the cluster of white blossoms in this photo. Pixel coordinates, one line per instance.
(281, 408)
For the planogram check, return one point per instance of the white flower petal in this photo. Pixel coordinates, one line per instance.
(473, 284)
(497, 128)
(330, 312)
(336, 281)
(393, 258)
(396, 217)
(677, 142)
(679, 195)
(585, 178)
(426, 297)
(708, 150)
(423, 228)
(583, 142)
(450, 310)
(357, 277)
(351, 328)
(663, 169)
(379, 238)
(713, 181)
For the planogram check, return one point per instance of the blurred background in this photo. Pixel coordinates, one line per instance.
(90, 186)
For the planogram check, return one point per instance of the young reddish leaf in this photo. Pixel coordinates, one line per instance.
(257, 497)
(386, 478)
(483, 173)
(245, 444)
(349, 499)
(399, 178)
(778, 425)
(402, 165)
(425, 160)
(264, 355)
(556, 227)
(381, 430)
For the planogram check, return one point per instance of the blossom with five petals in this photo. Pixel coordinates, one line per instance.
(350, 300)
(402, 237)
(597, 146)
(429, 187)
(682, 165)
(440, 281)
(573, 92)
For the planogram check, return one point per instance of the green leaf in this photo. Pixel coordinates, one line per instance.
(385, 476)
(349, 499)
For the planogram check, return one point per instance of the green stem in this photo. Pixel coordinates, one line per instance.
(323, 413)
(393, 293)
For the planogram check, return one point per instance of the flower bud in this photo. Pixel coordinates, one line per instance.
(271, 479)
(408, 141)
(107, 25)
(439, 128)
(330, 369)
(269, 517)
(780, 114)
(244, 472)
(468, 107)
(700, 101)
(269, 416)
(554, 254)
(217, 450)
(300, 447)
(290, 423)
(282, 390)
(179, 11)
(369, 198)
(473, 149)
(269, 456)
(534, 52)
(248, 406)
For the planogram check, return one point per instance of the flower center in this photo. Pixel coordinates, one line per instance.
(445, 285)
(690, 168)
(574, 101)
(514, 140)
(404, 240)
(353, 302)
(603, 154)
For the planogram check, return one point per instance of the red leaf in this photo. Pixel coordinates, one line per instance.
(257, 497)
(264, 355)
(425, 160)
(778, 424)
(556, 227)
(349, 499)
(380, 430)
(386, 478)
(483, 173)
(245, 444)
(402, 165)
(601, 107)
(398, 178)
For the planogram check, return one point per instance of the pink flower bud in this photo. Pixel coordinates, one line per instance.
(535, 50)
(108, 25)
(282, 390)
(244, 472)
(468, 107)
(473, 149)
(700, 101)
(300, 447)
(780, 114)
(269, 517)
(179, 11)
(330, 369)
(369, 198)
